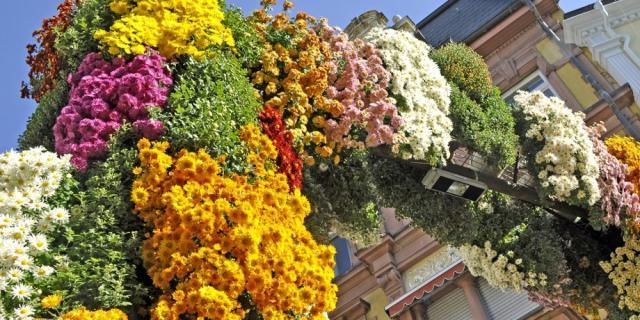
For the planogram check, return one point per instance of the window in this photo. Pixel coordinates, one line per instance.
(343, 255)
(534, 82)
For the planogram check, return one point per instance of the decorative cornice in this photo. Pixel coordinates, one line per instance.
(579, 28)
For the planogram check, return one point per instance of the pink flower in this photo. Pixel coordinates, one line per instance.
(359, 81)
(104, 95)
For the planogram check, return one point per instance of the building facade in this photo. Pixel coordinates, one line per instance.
(408, 275)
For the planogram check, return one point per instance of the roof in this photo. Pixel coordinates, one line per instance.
(464, 20)
(584, 9)
(437, 281)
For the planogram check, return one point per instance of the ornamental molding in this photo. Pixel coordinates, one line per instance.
(429, 266)
(601, 20)
(595, 30)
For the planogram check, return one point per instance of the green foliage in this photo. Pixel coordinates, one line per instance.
(212, 99)
(101, 266)
(482, 121)
(39, 131)
(465, 68)
(343, 201)
(248, 44)
(487, 127)
(77, 40)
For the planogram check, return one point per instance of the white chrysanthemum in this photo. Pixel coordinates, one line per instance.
(59, 215)
(568, 166)
(15, 274)
(23, 312)
(422, 91)
(38, 242)
(499, 270)
(43, 272)
(21, 291)
(27, 179)
(24, 262)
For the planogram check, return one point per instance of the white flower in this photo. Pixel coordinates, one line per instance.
(24, 262)
(59, 215)
(424, 93)
(38, 242)
(43, 272)
(21, 291)
(564, 155)
(23, 312)
(15, 274)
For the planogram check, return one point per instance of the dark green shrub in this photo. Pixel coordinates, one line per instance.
(482, 121)
(211, 100)
(465, 68)
(342, 197)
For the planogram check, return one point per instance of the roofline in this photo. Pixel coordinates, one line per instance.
(435, 13)
(505, 13)
(584, 9)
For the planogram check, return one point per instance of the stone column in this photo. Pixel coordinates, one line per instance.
(468, 285)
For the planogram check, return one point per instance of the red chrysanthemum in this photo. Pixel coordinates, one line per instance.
(288, 161)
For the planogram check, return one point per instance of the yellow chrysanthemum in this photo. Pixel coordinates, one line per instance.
(174, 27)
(222, 236)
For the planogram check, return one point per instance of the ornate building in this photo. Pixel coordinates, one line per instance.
(408, 275)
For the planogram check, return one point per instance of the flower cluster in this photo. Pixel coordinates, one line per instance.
(618, 200)
(217, 239)
(288, 161)
(627, 150)
(174, 27)
(421, 91)
(559, 147)
(293, 78)
(103, 96)
(359, 81)
(43, 58)
(624, 272)
(500, 270)
(27, 179)
(84, 314)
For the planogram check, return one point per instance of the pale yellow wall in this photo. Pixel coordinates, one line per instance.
(568, 73)
(377, 300)
(549, 50)
(580, 89)
(634, 107)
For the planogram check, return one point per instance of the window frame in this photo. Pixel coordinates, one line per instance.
(545, 85)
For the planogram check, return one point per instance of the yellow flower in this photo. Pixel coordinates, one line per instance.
(174, 27)
(215, 237)
(84, 314)
(51, 301)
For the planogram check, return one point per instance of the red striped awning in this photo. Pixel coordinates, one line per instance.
(407, 300)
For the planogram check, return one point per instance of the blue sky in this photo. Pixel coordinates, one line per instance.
(18, 19)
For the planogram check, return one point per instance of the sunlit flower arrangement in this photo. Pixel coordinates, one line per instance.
(202, 219)
(422, 94)
(504, 271)
(104, 95)
(624, 272)
(559, 148)
(172, 27)
(619, 200)
(27, 180)
(189, 127)
(359, 81)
